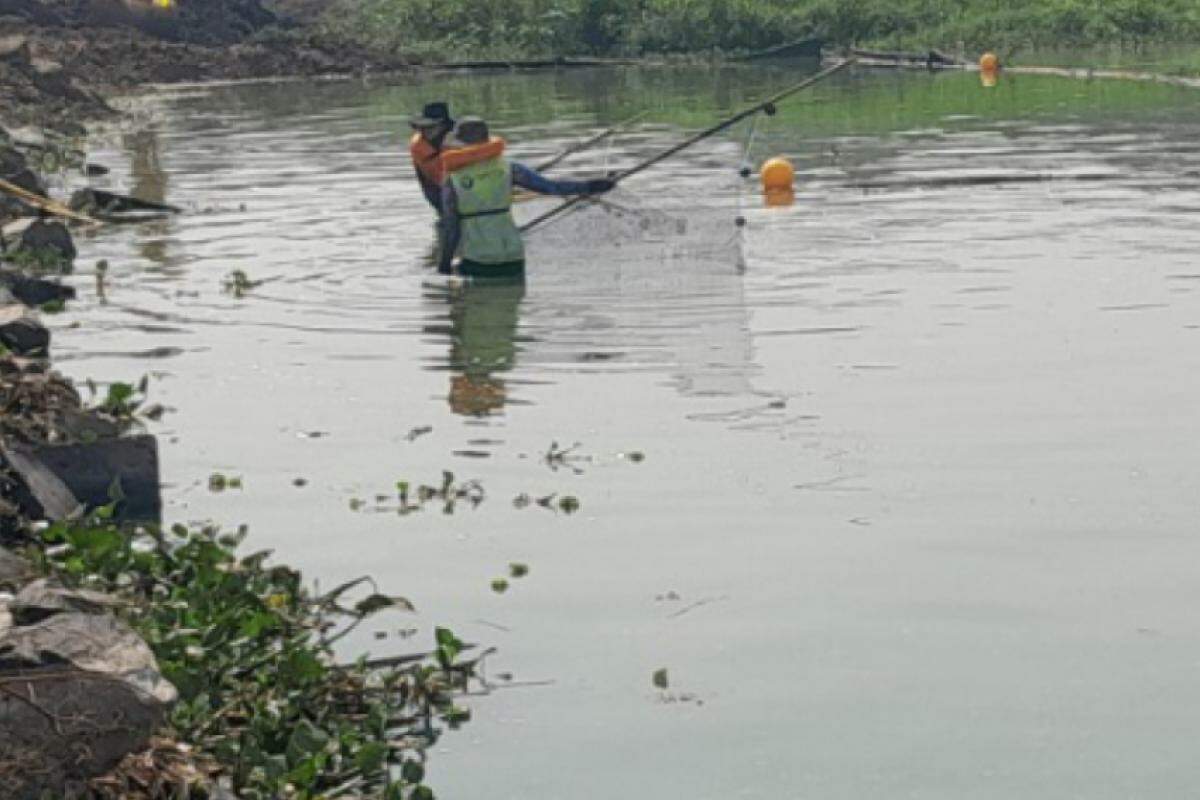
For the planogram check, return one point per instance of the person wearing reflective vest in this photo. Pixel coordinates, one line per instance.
(477, 202)
(430, 129)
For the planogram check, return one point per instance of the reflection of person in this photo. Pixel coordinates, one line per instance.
(431, 127)
(477, 203)
(483, 330)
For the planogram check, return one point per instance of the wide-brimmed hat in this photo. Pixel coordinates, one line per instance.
(432, 115)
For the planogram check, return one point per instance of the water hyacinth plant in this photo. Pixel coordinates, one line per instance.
(250, 650)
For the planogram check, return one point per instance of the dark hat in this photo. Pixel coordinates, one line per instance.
(471, 130)
(431, 115)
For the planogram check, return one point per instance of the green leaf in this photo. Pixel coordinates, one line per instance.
(412, 771)
(370, 757)
(306, 741)
(449, 646)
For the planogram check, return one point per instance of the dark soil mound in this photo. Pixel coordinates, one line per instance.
(198, 21)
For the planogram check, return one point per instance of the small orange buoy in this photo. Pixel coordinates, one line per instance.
(778, 174)
(777, 198)
(989, 62)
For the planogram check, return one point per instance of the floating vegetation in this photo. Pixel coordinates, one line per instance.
(237, 283)
(565, 458)
(218, 482)
(448, 495)
(660, 679)
(636, 456)
(518, 570)
(568, 504)
(499, 585)
(264, 707)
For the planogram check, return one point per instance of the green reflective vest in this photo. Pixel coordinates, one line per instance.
(483, 192)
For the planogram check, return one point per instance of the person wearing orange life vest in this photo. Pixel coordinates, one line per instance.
(430, 129)
(477, 201)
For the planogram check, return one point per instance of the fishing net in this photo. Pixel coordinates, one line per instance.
(686, 217)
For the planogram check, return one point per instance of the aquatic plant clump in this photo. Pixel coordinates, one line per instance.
(264, 708)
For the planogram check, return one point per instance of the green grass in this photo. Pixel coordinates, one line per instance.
(507, 28)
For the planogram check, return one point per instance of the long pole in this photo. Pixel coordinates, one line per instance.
(586, 144)
(44, 203)
(699, 137)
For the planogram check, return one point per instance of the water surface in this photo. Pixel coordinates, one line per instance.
(917, 513)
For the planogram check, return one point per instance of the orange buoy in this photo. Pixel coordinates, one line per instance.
(778, 174)
(988, 79)
(989, 62)
(777, 198)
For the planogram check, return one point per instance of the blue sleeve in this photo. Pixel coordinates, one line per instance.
(527, 178)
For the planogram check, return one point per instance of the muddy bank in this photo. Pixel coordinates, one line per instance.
(56, 69)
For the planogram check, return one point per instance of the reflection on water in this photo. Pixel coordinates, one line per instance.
(483, 332)
(926, 431)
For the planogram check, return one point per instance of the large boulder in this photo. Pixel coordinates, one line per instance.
(61, 478)
(78, 692)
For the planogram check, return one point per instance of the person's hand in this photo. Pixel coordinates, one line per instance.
(600, 185)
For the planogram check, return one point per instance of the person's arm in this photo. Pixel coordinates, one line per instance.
(451, 232)
(529, 179)
(431, 190)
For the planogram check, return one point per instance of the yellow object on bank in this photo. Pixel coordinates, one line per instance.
(778, 174)
(989, 62)
(163, 3)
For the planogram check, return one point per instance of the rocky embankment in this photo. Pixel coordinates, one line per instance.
(143, 663)
(79, 690)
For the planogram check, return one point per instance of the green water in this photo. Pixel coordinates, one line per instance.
(916, 516)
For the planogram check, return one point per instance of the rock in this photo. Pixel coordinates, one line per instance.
(14, 47)
(44, 598)
(95, 170)
(61, 477)
(21, 177)
(14, 571)
(12, 161)
(34, 292)
(44, 66)
(22, 333)
(48, 237)
(81, 691)
(118, 207)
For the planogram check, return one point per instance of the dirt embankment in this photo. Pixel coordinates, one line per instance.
(59, 59)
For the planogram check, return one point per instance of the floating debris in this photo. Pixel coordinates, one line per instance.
(418, 432)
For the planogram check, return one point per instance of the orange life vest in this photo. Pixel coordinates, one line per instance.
(426, 158)
(459, 157)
